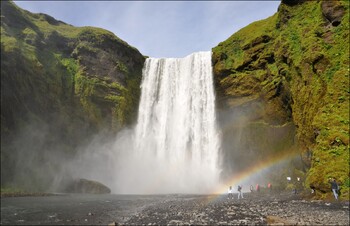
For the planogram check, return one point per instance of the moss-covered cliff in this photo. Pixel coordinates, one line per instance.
(59, 85)
(291, 68)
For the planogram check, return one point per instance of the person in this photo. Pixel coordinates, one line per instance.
(240, 191)
(312, 189)
(257, 187)
(334, 187)
(230, 193)
(251, 188)
(269, 186)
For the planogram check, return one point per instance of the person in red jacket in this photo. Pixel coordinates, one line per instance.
(257, 187)
(269, 186)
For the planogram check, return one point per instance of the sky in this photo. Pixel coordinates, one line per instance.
(160, 28)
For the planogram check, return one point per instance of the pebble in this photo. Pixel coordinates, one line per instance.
(252, 210)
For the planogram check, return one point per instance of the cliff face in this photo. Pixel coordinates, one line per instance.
(60, 85)
(290, 74)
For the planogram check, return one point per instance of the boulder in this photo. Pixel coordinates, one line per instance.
(87, 187)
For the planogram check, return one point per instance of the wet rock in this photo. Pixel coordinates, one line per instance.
(87, 186)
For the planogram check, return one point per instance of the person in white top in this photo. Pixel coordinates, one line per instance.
(230, 193)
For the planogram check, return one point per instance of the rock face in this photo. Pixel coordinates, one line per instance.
(288, 74)
(59, 86)
(87, 187)
(333, 11)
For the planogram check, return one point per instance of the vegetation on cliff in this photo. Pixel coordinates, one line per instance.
(295, 64)
(59, 85)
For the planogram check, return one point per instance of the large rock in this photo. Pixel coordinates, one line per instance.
(86, 186)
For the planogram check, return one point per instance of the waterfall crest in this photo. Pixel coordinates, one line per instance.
(176, 139)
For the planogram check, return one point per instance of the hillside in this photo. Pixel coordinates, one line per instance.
(60, 85)
(288, 78)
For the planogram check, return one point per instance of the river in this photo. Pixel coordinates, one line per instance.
(68, 209)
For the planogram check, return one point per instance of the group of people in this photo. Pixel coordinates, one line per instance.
(257, 187)
(334, 187)
(332, 181)
(230, 192)
(239, 189)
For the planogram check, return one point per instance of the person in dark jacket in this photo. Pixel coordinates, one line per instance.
(240, 191)
(335, 187)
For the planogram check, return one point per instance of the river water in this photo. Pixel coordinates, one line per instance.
(78, 209)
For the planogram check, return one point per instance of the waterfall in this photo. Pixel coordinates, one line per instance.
(176, 139)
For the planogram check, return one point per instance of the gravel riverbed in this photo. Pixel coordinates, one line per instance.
(253, 209)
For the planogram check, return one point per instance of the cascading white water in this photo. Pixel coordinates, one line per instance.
(176, 140)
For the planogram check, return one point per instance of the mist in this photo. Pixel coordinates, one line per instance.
(43, 162)
(254, 150)
(116, 164)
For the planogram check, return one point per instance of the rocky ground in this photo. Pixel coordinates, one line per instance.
(254, 209)
(103, 209)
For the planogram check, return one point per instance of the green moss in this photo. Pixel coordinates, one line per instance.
(114, 98)
(61, 28)
(30, 35)
(311, 60)
(117, 86)
(121, 67)
(71, 65)
(86, 47)
(9, 44)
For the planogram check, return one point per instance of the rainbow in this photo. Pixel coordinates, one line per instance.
(252, 171)
(242, 177)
